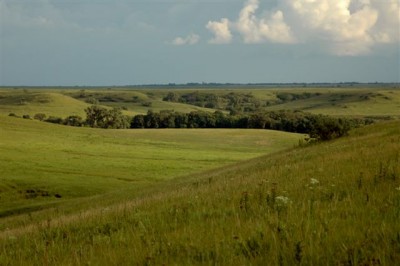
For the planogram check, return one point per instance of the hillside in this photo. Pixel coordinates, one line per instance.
(43, 164)
(334, 203)
(63, 103)
(342, 101)
(374, 101)
(33, 102)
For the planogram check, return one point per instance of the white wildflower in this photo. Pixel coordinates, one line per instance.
(282, 200)
(314, 181)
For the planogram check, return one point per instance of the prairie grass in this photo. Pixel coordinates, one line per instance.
(43, 165)
(334, 203)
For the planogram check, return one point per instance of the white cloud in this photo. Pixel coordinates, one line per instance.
(221, 31)
(271, 28)
(344, 31)
(188, 40)
(387, 27)
(247, 23)
(343, 27)
(275, 29)
(252, 29)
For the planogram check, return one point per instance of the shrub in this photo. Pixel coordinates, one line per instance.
(327, 128)
(39, 116)
(74, 120)
(54, 120)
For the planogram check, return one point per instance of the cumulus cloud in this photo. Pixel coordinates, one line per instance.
(343, 27)
(188, 40)
(345, 31)
(271, 28)
(221, 31)
(387, 27)
(252, 29)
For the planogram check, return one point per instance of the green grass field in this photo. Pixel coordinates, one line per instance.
(84, 196)
(40, 160)
(335, 203)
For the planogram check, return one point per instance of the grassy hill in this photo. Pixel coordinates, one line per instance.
(62, 102)
(73, 196)
(44, 164)
(136, 101)
(334, 203)
(344, 101)
(66, 102)
(32, 102)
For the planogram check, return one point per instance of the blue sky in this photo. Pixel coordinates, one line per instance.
(122, 42)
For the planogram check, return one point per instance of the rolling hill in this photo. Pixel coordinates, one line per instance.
(77, 195)
(334, 203)
(44, 164)
(33, 102)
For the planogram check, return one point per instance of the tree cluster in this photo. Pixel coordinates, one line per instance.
(97, 116)
(319, 127)
(233, 102)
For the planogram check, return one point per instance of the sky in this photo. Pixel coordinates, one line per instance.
(136, 42)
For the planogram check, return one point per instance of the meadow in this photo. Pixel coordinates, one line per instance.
(80, 196)
(44, 164)
(335, 203)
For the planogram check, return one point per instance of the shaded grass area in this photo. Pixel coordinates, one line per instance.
(335, 203)
(44, 164)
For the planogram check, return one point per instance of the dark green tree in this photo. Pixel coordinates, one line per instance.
(138, 121)
(95, 116)
(114, 118)
(74, 120)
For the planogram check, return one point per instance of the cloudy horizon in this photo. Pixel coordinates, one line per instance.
(93, 42)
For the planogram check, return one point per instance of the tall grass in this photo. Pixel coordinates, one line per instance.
(335, 203)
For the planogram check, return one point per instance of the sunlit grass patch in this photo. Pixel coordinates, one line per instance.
(79, 162)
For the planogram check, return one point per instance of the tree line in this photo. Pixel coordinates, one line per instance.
(319, 127)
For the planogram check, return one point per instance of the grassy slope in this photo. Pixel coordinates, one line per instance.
(368, 101)
(373, 101)
(335, 203)
(133, 100)
(39, 160)
(346, 101)
(33, 102)
(58, 102)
